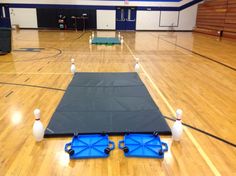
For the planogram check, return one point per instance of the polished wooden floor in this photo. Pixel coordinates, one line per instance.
(176, 78)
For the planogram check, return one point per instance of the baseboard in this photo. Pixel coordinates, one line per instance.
(71, 29)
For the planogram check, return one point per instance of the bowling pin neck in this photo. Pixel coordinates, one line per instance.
(37, 119)
(179, 117)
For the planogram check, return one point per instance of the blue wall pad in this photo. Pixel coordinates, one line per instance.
(89, 146)
(143, 145)
(114, 103)
(105, 40)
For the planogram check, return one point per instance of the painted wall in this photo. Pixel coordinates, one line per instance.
(169, 18)
(24, 17)
(163, 20)
(147, 20)
(106, 19)
(187, 18)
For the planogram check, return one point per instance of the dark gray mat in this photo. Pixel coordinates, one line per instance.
(114, 103)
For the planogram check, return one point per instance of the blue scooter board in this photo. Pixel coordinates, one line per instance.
(143, 145)
(89, 146)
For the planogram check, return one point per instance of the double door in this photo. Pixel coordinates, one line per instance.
(125, 18)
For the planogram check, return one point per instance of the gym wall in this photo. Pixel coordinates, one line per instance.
(106, 19)
(26, 17)
(167, 20)
(150, 15)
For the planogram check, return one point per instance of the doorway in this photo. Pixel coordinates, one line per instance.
(125, 18)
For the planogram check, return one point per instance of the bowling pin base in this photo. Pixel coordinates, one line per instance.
(39, 140)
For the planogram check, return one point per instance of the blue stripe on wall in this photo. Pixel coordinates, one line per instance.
(85, 7)
(59, 6)
(6, 22)
(107, 7)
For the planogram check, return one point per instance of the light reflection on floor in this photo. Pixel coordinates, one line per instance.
(16, 117)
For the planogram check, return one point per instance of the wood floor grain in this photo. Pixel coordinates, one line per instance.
(174, 76)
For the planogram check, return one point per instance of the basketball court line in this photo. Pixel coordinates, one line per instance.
(34, 86)
(203, 132)
(189, 134)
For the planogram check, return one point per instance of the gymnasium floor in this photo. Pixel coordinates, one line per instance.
(186, 70)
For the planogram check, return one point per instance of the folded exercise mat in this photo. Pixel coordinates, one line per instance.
(143, 145)
(89, 146)
(105, 40)
(115, 103)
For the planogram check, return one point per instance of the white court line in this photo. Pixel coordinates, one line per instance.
(189, 134)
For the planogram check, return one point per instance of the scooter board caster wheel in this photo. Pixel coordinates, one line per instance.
(71, 152)
(161, 152)
(103, 133)
(107, 150)
(155, 133)
(126, 149)
(76, 134)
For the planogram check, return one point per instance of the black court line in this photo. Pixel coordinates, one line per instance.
(9, 94)
(80, 35)
(77, 38)
(34, 86)
(204, 132)
(203, 56)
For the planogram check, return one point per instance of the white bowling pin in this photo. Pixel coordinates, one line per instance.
(38, 129)
(137, 66)
(119, 35)
(90, 40)
(121, 40)
(177, 128)
(92, 34)
(73, 68)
